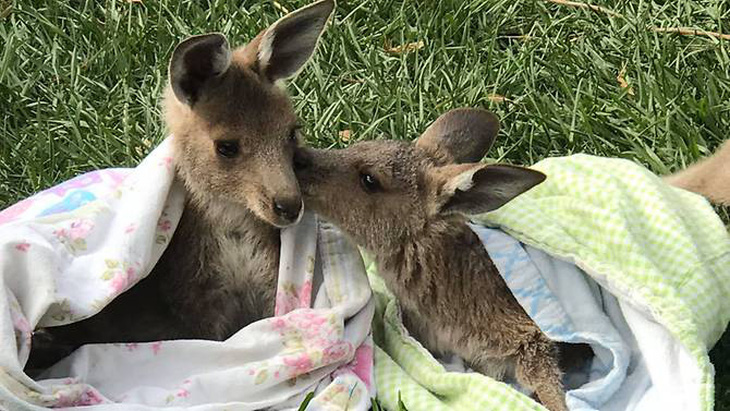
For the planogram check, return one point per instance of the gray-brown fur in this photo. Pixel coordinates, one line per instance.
(414, 222)
(235, 132)
(709, 177)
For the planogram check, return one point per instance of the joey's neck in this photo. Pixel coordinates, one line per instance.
(442, 248)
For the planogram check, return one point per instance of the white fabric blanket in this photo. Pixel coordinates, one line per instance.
(570, 306)
(68, 251)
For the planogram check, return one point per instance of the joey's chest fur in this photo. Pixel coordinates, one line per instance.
(219, 271)
(454, 300)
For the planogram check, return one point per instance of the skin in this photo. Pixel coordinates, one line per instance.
(235, 132)
(408, 205)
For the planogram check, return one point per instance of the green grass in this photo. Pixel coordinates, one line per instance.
(80, 80)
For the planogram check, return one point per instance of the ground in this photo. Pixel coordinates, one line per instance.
(80, 80)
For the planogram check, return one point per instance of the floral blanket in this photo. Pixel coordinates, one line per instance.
(68, 251)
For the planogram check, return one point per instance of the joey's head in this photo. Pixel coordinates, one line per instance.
(234, 127)
(386, 194)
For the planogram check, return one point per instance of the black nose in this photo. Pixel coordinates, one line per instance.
(288, 208)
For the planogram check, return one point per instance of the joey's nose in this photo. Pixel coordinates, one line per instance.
(288, 208)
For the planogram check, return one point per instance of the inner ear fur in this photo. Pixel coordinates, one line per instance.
(284, 48)
(195, 62)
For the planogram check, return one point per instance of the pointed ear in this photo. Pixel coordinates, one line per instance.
(479, 188)
(462, 135)
(289, 43)
(195, 62)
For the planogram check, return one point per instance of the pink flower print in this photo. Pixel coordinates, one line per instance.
(276, 374)
(299, 364)
(291, 296)
(337, 351)
(131, 346)
(80, 229)
(81, 181)
(89, 397)
(75, 396)
(121, 279)
(130, 228)
(22, 247)
(182, 393)
(362, 364)
(308, 319)
(166, 162)
(251, 372)
(74, 237)
(64, 400)
(310, 323)
(164, 225)
(285, 302)
(278, 324)
(21, 324)
(116, 176)
(156, 346)
(305, 294)
(15, 211)
(120, 282)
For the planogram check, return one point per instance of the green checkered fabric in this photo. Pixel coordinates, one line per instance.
(661, 248)
(404, 368)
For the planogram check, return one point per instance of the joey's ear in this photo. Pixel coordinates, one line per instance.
(195, 62)
(462, 135)
(289, 43)
(478, 188)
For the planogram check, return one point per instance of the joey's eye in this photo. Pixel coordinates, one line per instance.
(227, 149)
(370, 183)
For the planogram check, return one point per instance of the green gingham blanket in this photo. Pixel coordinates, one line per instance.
(661, 251)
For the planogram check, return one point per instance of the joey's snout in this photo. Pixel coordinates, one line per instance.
(303, 159)
(323, 181)
(279, 201)
(309, 167)
(303, 162)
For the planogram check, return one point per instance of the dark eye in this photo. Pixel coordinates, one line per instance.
(369, 183)
(227, 149)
